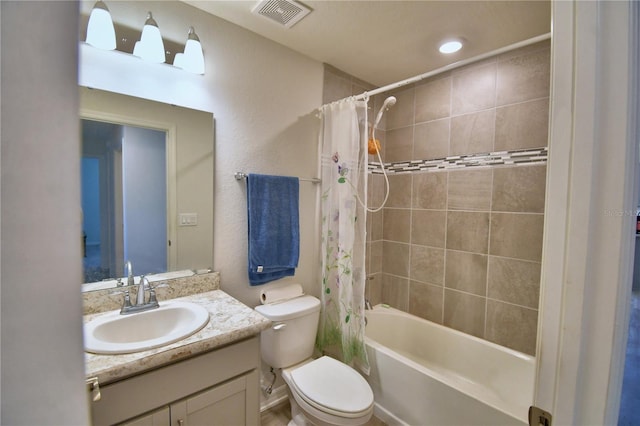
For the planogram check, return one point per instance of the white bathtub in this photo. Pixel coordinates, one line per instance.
(425, 374)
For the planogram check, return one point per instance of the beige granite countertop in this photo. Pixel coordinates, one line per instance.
(230, 321)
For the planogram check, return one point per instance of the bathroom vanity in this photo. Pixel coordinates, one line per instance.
(211, 377)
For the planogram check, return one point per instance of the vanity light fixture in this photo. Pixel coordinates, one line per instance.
(450, 46)
(192, 59)
(100, 30)
(150, 47)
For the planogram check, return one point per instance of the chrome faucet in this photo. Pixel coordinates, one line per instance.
(367, 305)
(129, 270)
(140, 306)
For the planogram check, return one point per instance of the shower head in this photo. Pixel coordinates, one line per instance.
(388, 103)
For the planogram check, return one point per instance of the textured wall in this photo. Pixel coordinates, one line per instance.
(263, 97)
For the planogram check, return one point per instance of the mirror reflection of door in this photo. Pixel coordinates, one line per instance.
(124, 199)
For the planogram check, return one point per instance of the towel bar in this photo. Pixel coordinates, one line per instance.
(241, 175)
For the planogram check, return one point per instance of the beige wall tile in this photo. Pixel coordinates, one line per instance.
(373, 288)
(468, 231)
(431, 140)
(512, 326)
(514, 281)
(395, 258)
(397, 225)
(401, 114)
(430, 190)
(398, 145)
(521, 126)
(433, 100)
(517, 235)
(523, 78)
(519, 189)
(456, 114)
(526, 50)
(470, 190)
(474, 89)
(375, 258)
(428, 227)
(395, 291)
(425, 301)
(472, 133)
(375, 189)
(466, 272)
(427, 265)
(399, 191)
(464, 312)
(374, 225)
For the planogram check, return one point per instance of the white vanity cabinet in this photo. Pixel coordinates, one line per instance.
(220, 387)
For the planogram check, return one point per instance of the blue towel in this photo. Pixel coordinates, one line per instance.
(274, 229)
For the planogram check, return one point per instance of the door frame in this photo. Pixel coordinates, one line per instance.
(591, 201)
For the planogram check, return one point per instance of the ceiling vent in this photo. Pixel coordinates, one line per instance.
(284, 12)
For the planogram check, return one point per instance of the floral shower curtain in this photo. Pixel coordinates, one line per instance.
(344, 165)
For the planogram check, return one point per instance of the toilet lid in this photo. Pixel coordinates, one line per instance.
(329, 384)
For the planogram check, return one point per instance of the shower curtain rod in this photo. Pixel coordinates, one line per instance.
(449, 67)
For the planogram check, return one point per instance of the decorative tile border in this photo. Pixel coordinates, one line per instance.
(491, 159)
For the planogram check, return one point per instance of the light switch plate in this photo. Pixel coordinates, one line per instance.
(188, 219)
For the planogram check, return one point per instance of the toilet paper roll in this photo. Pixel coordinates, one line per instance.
(279, 294)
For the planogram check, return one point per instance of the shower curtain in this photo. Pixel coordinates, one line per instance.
(343, 170)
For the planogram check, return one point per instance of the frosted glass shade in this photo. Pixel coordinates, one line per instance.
(192, 59)
(100, 30)
(150, 47)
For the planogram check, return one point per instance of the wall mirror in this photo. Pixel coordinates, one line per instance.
(147, 188)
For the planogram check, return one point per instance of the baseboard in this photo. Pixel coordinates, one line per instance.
(277, 397)
(386, 416)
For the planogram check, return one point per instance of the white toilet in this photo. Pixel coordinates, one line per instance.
(322, 391)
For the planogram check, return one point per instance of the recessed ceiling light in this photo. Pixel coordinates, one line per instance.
(450, 46)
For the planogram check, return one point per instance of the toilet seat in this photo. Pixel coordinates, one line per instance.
(331, 387)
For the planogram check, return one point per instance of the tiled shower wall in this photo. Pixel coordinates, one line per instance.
(462, 247)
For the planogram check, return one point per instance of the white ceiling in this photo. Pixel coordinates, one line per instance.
(382, 42)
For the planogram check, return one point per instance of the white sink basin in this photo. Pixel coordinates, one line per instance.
(113, 333)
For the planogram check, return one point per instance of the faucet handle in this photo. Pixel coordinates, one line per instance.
(152, 294)
(126, 303)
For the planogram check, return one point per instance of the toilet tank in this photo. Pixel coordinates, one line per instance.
(292, 334)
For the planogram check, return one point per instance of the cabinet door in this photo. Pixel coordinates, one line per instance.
(227, 404)
(159, 417)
